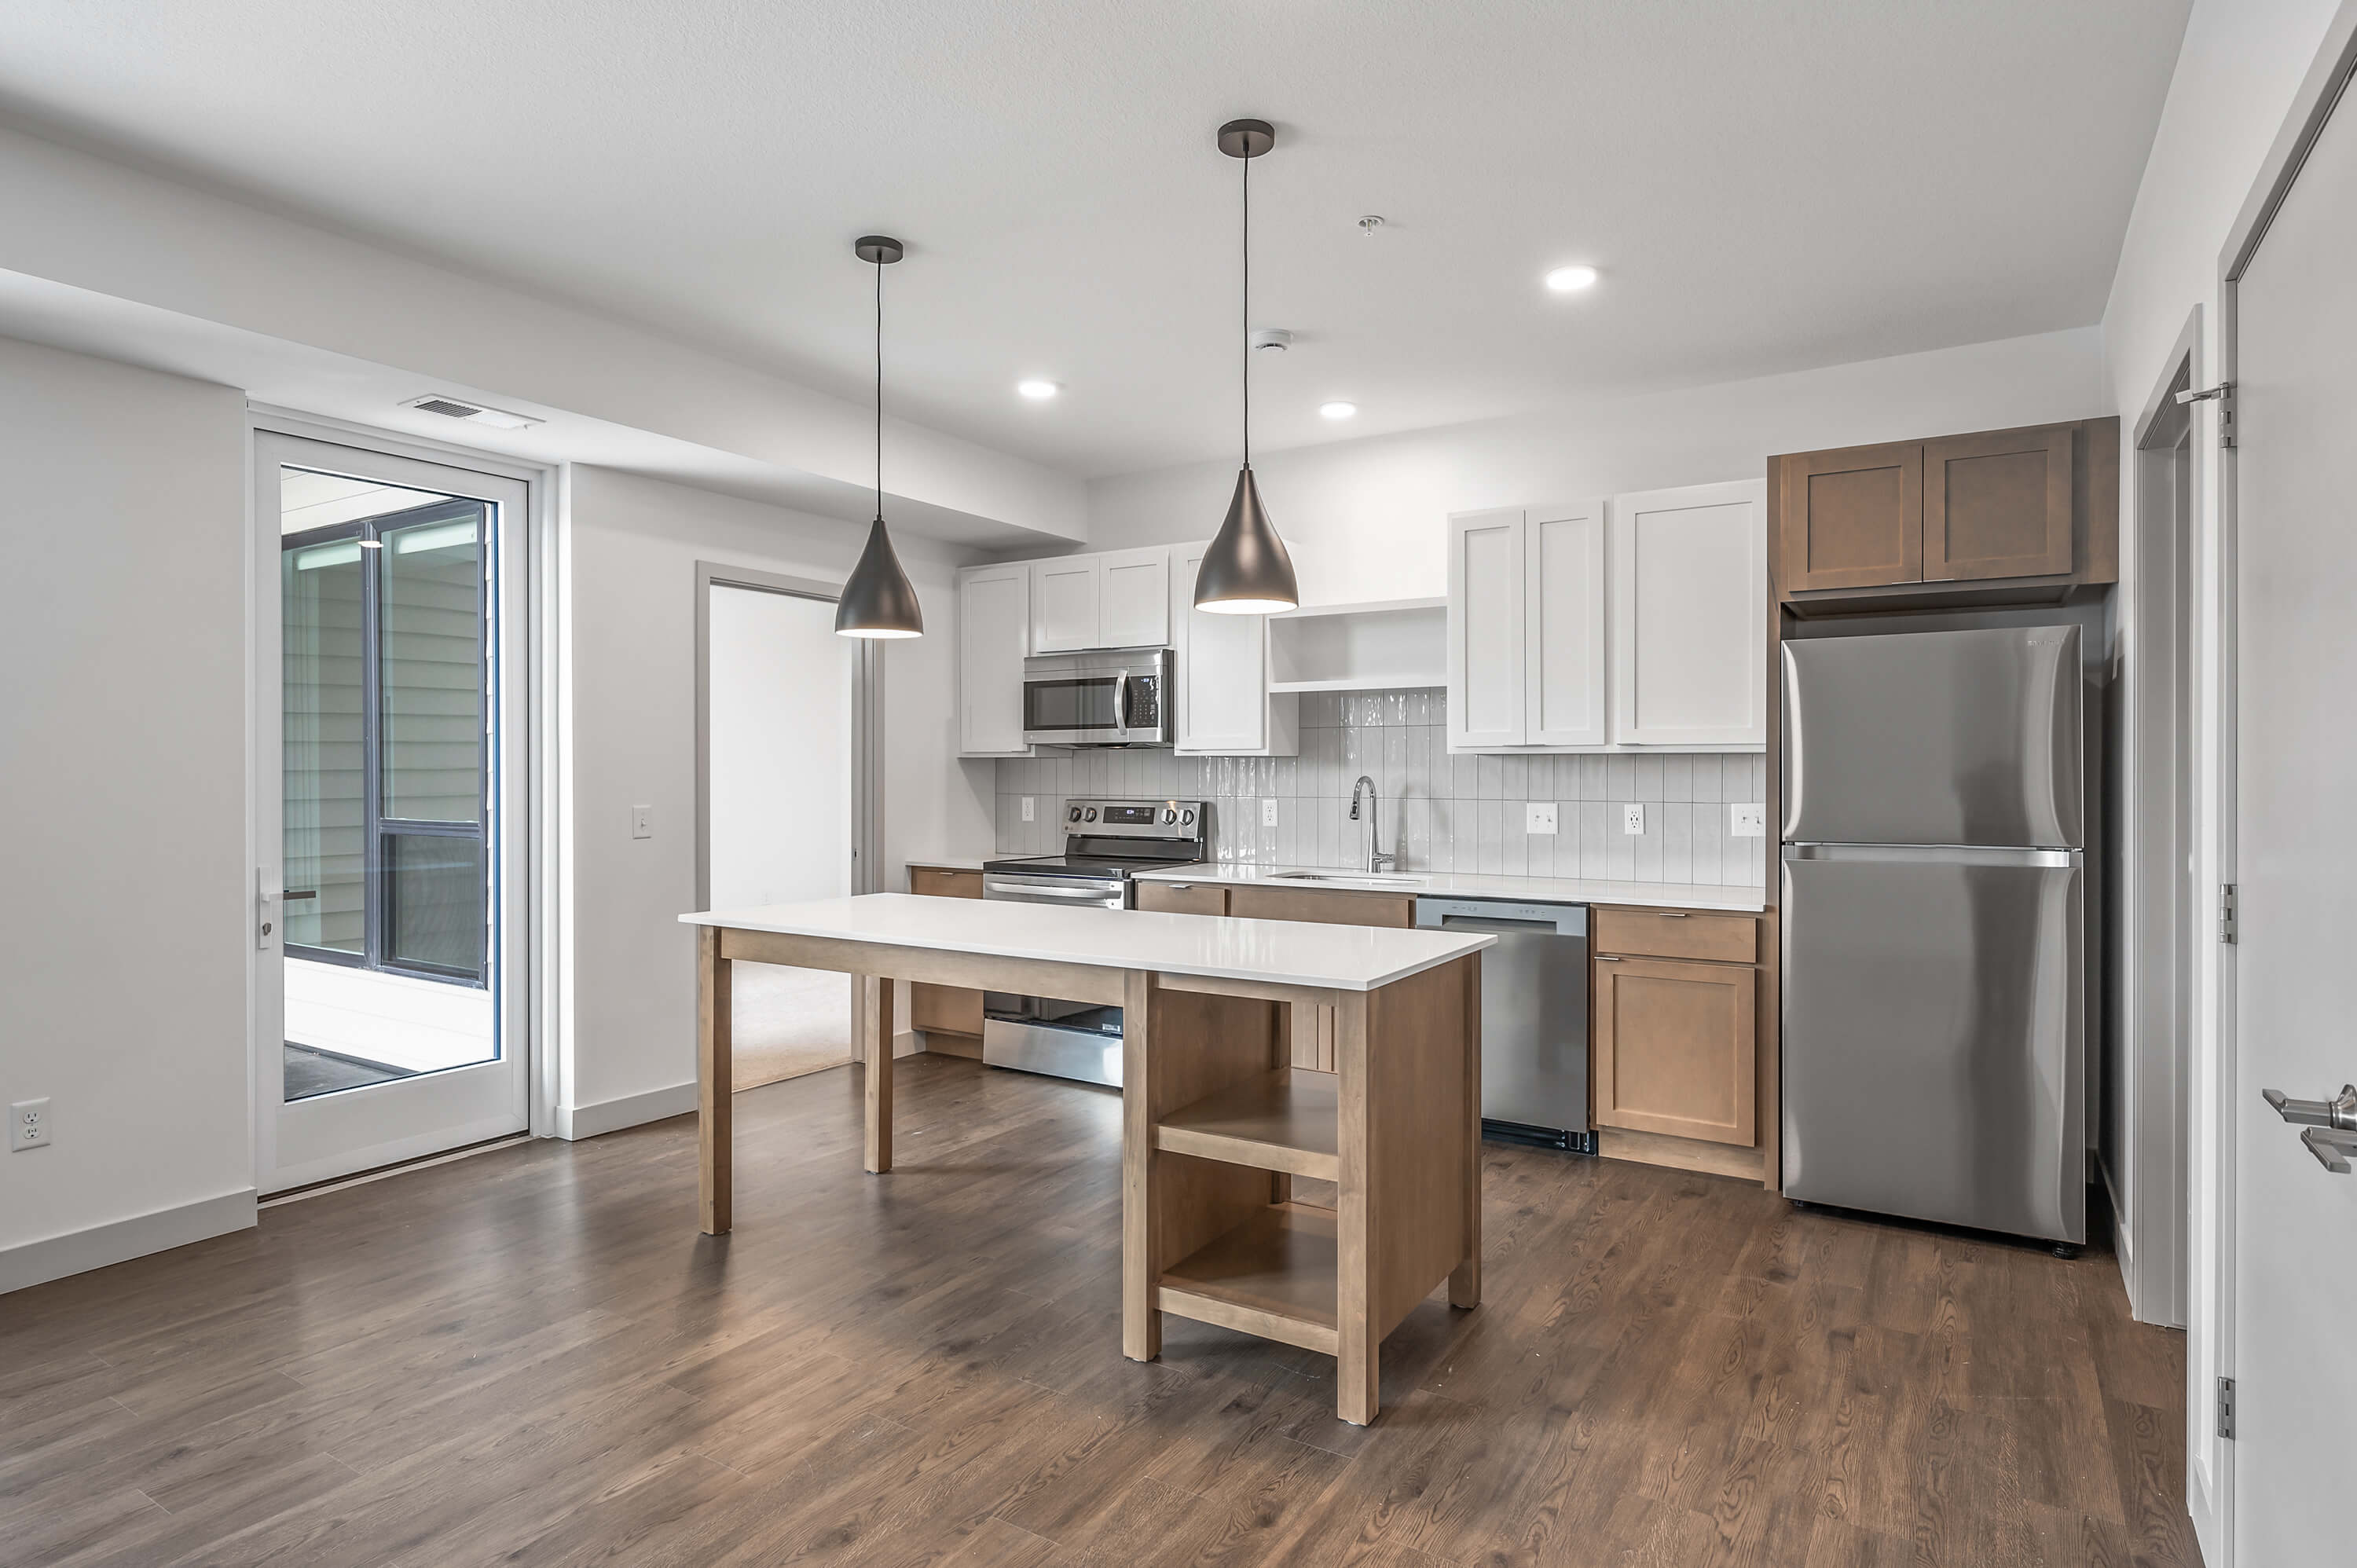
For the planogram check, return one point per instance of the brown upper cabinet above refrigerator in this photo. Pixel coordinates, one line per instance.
(2021, 516)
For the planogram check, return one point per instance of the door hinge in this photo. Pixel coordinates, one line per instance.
(2226, 1408)
(2224, 396)
(2226, 912)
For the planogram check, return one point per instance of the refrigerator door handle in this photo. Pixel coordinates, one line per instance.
(1937, 854)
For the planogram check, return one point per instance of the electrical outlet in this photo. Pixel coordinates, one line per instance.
(642, 822)
(1268, 813)
(1027, 807)
(1538, 816)
(1633, 817)
(28, 1124)
(1748, 821)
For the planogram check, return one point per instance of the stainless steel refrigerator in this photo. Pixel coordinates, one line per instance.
(1935, 891)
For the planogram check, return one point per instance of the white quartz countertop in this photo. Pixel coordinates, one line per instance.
(1468, 884)
(1287, 952)
(953, 861)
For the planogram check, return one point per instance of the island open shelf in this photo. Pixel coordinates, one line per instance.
(1282, 1121)
(1273, 1275)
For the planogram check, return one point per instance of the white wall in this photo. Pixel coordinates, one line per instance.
(123, 775)
(1366, 518)
(2236, 75)
(628, 680)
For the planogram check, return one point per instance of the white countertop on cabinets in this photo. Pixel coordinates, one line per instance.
(950, 862)
(1285, 953)
(1468, 884)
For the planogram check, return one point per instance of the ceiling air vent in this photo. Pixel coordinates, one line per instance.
(473, 413)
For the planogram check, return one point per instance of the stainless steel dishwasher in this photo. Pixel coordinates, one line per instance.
(1534, 1017)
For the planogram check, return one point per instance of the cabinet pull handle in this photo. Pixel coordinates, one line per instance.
(1674, 914)
(1182, 887)
(1606, 958)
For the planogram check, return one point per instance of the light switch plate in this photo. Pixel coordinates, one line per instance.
(642, 822)
(1748, 821)
(28, 1124)
(1633, 817)
(1538, 816)
(1027, 807)
(1268, 813)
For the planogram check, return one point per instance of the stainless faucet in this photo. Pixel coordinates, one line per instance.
(1376, 858)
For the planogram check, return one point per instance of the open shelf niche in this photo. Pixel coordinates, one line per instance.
(1386, 645)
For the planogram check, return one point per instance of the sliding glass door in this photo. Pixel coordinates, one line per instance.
(390, 1002)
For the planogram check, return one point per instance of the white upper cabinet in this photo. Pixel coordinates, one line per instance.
(1486, 651)
(993, 631)
(1117, 600)
(1135, 598)
(1224, 704)
(1689, 617)
(1067, 597)
(1563, 609)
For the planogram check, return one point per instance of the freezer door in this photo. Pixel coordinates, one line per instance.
(1968, 738)
(1934, 1043)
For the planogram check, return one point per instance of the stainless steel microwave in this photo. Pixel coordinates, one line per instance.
(1098, 699)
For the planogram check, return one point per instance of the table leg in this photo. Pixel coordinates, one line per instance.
(1141, 1233)
(1465, 1279)
(872, 1010)
(1358, 1352)
(715, 1079)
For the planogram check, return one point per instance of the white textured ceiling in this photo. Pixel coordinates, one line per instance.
(1765, 186)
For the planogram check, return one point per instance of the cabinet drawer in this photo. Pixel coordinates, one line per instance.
(1674, 1048)
(1183, 897)
(1321, 907)
(936, 882)
(1670, 933)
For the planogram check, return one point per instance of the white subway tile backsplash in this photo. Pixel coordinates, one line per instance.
(1441, 812)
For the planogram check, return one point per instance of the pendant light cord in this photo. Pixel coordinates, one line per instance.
(880, 390)
(1247, 306)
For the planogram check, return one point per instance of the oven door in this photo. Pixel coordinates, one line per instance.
(1071, 892)
(1046, 1034)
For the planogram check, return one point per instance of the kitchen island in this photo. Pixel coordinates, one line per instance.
(1215, 1125)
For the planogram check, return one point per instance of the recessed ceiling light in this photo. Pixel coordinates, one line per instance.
(1337, 409)
(1570, 280)
(1036, 391)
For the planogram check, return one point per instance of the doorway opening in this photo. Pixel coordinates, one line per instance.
(782, 729)
(2147, 1089)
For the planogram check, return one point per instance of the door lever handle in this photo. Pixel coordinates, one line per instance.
(2339, 1112)
(2332, 1147)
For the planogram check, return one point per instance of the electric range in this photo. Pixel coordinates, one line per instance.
(1106, 843)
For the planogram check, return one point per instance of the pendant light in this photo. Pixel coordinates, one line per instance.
(878, 600)
(1246, 571)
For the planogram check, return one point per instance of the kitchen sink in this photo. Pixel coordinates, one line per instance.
(1368, 880)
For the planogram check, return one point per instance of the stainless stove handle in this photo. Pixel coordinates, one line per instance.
(1050, 890)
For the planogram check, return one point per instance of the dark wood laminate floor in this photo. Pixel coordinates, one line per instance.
(531, 1358)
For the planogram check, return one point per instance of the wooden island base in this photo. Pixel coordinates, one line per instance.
(1215, 1126)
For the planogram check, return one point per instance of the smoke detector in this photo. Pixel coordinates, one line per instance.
(472, 413)
(1274, 339)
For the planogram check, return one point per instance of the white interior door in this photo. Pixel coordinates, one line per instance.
(391, 929)
(2295, 1238)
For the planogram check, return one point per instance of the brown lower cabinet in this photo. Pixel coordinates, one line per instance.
(1684, 1042)
(954, 1011)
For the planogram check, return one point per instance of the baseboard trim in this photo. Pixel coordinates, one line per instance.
(576, 1122)
(118, 1242)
